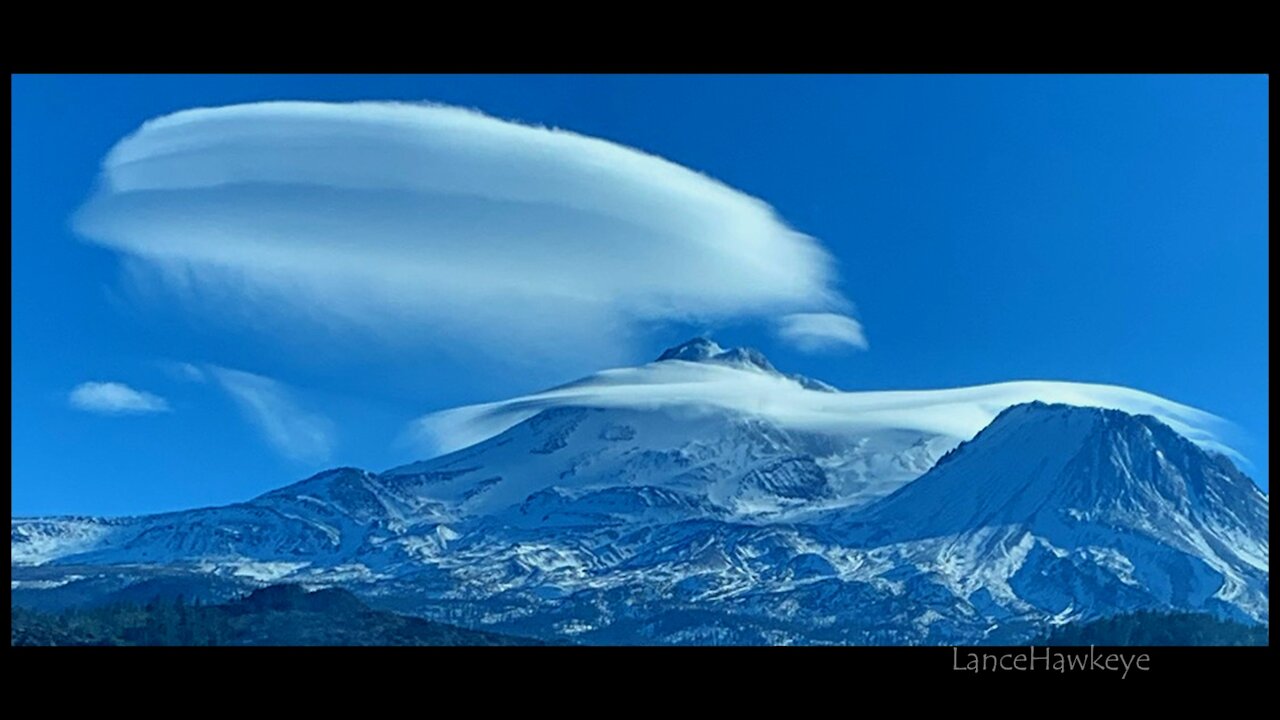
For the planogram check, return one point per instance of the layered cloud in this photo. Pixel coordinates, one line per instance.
(444, 224)
(813, 332)
(113, 398)
(957, 413)
(270, 406)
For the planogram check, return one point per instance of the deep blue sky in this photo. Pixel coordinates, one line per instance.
(1101, 229)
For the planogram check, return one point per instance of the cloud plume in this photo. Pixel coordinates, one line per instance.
(113, 398)
(269, 405)
(414, 220)
(183, 371)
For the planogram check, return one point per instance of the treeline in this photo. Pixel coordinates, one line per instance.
(276, 615)
(160, 622)
(1157, 628)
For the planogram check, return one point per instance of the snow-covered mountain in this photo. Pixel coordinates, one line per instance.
(708, 497)
(1062, 509)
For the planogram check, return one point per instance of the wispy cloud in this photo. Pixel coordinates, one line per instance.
(113, 398)
(268, 404)
(812, 332)
(184, 371)
(445, 225)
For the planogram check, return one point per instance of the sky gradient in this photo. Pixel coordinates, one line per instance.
(1097, 229)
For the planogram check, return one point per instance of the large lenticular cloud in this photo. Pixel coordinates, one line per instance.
(443, 223)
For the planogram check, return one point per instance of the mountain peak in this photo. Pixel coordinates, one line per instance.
(696, 350)
(1041, 408)
(1107, 417)
(1051, 462)
(703, 350)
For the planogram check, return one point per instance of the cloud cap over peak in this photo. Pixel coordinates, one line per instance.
(958, 413)
(403, 217)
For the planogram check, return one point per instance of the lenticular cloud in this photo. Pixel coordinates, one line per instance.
(442, 222)
(956, 413)
(819, 331)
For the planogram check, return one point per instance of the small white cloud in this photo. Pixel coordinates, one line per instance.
(113, 398)
(442, 225)
(268, 404)
(811, 332)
